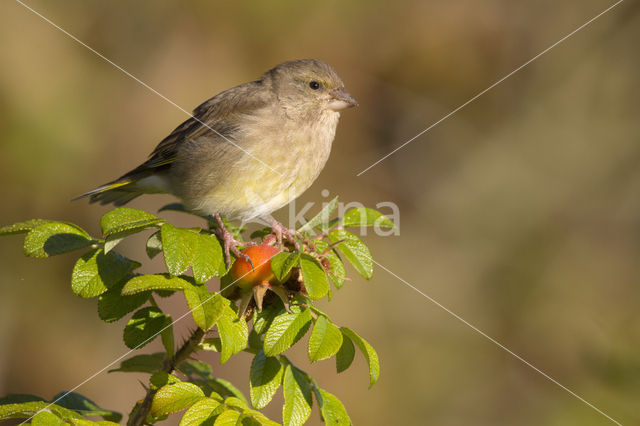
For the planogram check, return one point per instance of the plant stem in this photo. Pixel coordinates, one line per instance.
(140, 411)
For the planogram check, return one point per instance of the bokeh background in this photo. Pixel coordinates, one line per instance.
(520, 213)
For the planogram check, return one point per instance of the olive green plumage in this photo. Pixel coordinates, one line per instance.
(247, 151)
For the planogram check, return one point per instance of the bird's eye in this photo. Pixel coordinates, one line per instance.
(314, 85)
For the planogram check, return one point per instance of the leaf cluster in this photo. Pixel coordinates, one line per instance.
(193, 257)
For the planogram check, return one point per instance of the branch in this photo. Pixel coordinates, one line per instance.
(140, 411)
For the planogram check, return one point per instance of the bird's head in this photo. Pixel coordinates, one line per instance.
(309, 84)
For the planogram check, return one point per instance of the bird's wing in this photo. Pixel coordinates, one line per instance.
(218, 116)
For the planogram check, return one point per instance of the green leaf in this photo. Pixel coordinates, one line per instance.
(314, 277)
(144, 283)
(175, 397)
(207, 259)
(179, 246)
(186, 247)
(45, 418)
(144, 326)
(166, 336)
(285, 331)
(266, 377)
(345, 355)
(233, 332)
(338, 272)
(322, 217)
(127, 219)
(212, 344)
(95, 272)
(52, 238)
(325, 340)
(161, 378)
(226, 388)
(202, 413)
(331, 409)
(297, 397)
(84, 406)
(282, 263)
(227, 418)
(112, 305)
(354, 250)
(22, 227)
(27, 409)
(369, 354)
(364, 216)
(263, 319)
(154, 245)
(206, 307)
(147, 363)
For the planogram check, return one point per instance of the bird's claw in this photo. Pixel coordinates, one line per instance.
(278, 231)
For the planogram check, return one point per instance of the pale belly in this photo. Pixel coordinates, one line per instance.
(274, 174)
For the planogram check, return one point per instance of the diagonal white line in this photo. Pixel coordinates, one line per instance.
(97, 373)
(491, 87)
(144, 84)
(500, 345)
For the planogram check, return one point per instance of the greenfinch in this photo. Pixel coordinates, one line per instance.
(247, 151)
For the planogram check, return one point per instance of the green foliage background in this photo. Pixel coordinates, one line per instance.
(520, 213)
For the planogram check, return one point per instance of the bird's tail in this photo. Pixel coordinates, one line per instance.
(118, 192)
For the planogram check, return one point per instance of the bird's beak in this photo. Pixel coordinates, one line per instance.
(341, 99)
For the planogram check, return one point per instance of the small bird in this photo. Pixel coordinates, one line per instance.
(247, 151)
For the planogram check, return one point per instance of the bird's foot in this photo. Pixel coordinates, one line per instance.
(278, 231)
(229, 243)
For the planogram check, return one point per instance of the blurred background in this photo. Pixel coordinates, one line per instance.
(520, 213)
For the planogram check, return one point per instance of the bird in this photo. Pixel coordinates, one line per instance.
(247, 151)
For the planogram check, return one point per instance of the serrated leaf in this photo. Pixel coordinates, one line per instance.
(265, 379)
(325, 340)
(175, 397)
(364, 216)
(206, 307)
(264, 318)
(354, 250)
(143, 283)
(27, 409)
(52, 238)
(154, 245)
(314, 277)
(320, 218)
(147, 363)
(112, 305)
(45, 418)
(96, 272)
(369, 354)
(285, 331)
(179, 246)
(345, 355)
(212, 344)
(144, 326)
(126, 219)
(207, 258)
(297, 397)
(202, 413)
(22, 227)
(282, 263)
(226, 388)
(338, 273)
(331, 409)
(233, 332)
(227, 418)
(161, 378)
(254, 418)
(84, 406)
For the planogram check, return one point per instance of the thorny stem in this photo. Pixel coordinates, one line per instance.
(140, 411)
